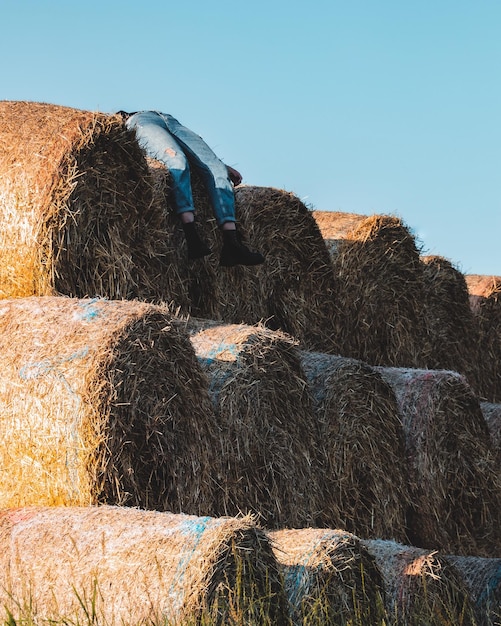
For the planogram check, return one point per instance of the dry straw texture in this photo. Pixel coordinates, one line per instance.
(482, 577)
(362, 444)
(266, 425)
(492, 414)
(453, 475)
(76, 212)
(380, 291)
(485, 301)
(330, 577)
(112, 565)
(101, 401)
(454, 333)
(422, 587)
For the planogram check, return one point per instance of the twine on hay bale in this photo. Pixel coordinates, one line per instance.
(76, 210)
(421, 586)
(453, 476)
(492, 415)
(329, 577)
(365, 474)
(485, 301)
(454, 335)
(380, 288)
(482, 578)
(102, 401)
(266, 425)
(294, 289)
(128, 566)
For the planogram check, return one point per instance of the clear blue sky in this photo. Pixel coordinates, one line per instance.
(364, 106)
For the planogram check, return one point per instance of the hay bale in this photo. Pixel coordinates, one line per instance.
(294, 289)
(492, 415)
(482, 578)
(454, 334)
(266, 424)
(114, 565)
(453, 476)
(365, 473)
(330, 577)
(102, 401)
(421, 586)
(76, 212)
(485, 301)
(380, 290)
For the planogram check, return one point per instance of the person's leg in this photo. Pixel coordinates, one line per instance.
(213, 171)
(156, 140)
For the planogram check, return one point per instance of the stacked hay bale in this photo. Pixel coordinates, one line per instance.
(380, 292)
(453, 476)
(492, 415)
(330, 577)
(453, 331)
(114, 565)
(102, 402)
(76, 211)
(482, 578)
(485, 301)
(422, 587)
(364, 472)
(265, 422)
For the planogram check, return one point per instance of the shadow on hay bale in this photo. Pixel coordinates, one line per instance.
(492, 415)
(482, 578)
(330, 577)
(266, 426)
(453, 331)
(485, 301)
(116, 565)
(76, 211)
(102, 401)
(421, 586)
(453, 476)
(362, 442)
(380, 289)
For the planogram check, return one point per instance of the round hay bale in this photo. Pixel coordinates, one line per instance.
(453, 475)
(294, 289)
(362, 443)
(492, 415)
(421, 586)
(329, 577)
(114, 565)
(482, 578)
(266, 424)
(76, 211)
(454, 333)
(102, 401)
(485, 301)
(380, 289)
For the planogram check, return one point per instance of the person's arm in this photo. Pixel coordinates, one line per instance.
(235, 176)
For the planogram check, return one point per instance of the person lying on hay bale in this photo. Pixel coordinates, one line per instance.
(177, 147)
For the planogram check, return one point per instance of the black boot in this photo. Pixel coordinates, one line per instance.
(234, 252)
(197, 248)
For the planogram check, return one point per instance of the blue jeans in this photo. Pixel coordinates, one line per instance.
(177, 147)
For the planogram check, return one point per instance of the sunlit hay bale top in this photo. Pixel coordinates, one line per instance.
(101, 401)
(330, 577)
(266, 425)
(193, 283)
(294, 289)
(421, 586)
(129, 566)
(454, 333)
(485, 301)
(365, 473)
(380, 292)
(482, 578)
(492, 415)
(453, 476)
(75, 204)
